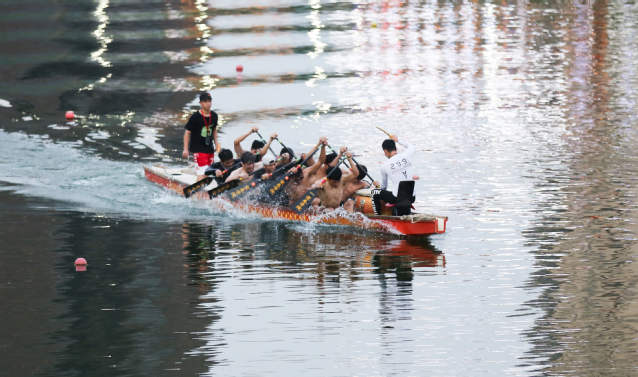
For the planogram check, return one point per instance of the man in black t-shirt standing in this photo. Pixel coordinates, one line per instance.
(200, 137)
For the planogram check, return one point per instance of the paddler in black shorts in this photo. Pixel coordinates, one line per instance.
(200, 137)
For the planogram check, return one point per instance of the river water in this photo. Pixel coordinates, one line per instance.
(523, 116)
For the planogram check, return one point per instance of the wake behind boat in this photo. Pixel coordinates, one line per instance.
(415, 224)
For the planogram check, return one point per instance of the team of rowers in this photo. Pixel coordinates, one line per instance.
(336, 185)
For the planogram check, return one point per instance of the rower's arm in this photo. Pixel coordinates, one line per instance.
(322, 158)
(353, 166)
(237, 146)
(234, 175)
(187, 138)
(311, 160)
(212, 169)
(335, 162)
(264, 150)
(322, 155)
(410, 148)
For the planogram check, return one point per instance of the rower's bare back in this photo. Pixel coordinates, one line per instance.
(351, 187)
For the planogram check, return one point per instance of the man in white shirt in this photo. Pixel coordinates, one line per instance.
(398, 168)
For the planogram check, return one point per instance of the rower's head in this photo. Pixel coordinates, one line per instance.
(330, 157)
(256, 147)
(334, 175)
(248, 160)
(270, 163)
(287, 158)
(205, 101)
(362, 171)
(226, 158)
(389, 147)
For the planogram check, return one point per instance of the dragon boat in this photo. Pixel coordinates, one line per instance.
(415, 224)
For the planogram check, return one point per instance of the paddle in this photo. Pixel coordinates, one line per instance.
(333, 151)
(281, 183)
(264, 141)
(385, 132)
(244, 190)
(288, 149)
(223, 188)
(225, 170)
(367, 175)
(197, 186)
(306, 199)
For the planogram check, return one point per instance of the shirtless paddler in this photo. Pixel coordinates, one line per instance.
(331, 191)
(353, 186)
(247, 169)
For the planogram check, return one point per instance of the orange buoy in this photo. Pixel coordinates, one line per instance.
(70, 115)
(240, 68)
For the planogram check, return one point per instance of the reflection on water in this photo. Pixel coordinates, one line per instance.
(155, 296)
(523, 114)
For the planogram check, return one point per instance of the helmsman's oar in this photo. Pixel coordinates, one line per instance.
(264, 141)
(385, 132)
(306, 199)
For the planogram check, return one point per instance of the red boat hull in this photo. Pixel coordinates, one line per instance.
(387, 224)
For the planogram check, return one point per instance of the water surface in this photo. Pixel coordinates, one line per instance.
(523, 116)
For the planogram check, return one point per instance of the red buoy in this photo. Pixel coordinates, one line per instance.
(80, 264)
(70, 115)
(240, 68)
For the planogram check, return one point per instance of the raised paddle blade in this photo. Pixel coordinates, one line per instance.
(304, 202)
(196, 187)
(223, 188)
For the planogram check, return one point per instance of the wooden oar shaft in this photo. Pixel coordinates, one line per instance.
(385, 132)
